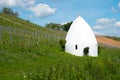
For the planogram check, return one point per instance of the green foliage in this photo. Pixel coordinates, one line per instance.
(9, 11)
(53, 26)
(62, 44)
(66, 26)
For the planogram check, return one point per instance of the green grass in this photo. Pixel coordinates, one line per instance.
(52, 64)
(33, 53)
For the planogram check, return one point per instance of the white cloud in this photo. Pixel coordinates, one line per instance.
(106, 23)
(13, 3)
(105, 20)
(42, 10)
(8, 3)
(117, 24)
(25, 3)
(107, 26)
(99, 27)
(98, 33)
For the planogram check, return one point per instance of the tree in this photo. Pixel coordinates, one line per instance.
(62, 44)
(6, 10)
(53, 26)
(66, 26)
(9, 11)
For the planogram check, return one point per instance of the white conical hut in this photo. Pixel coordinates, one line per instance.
(80, 39)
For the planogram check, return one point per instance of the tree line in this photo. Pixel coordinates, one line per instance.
(56, 26)
(9, 11)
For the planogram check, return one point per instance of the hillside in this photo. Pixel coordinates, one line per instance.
(30, 52)
(15, 28)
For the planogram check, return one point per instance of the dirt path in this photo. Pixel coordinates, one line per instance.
(108, 41)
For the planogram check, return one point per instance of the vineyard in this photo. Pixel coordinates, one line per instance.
(30, 52)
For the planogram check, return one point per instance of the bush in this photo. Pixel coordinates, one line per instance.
(62, 44)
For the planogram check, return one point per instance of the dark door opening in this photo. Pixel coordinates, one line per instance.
(86, 51)
(76, 47)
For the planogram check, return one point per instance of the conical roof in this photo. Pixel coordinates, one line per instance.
(80, 31)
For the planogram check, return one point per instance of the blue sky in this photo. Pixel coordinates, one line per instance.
(102, 15)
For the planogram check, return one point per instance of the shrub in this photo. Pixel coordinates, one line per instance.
(62, 44)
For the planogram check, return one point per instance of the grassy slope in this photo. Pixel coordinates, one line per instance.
(31, 52)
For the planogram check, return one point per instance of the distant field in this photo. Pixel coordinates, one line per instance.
(108, 41)
(30, 52)
(115, 38)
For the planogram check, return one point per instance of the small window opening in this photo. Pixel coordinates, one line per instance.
(76, 47)
(86, 51)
